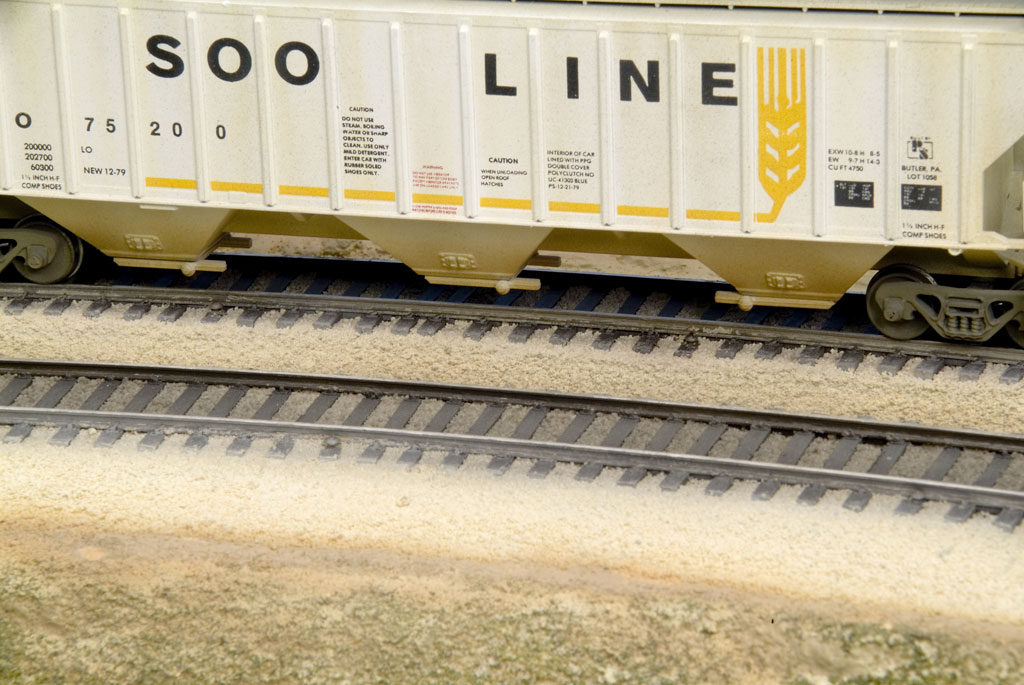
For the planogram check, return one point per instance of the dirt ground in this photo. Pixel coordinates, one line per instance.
(124, 565)
(120, 565)
(115, 608)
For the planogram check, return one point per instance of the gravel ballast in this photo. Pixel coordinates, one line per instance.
(154, 566)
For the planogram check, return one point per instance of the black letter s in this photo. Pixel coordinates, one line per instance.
(153, 45)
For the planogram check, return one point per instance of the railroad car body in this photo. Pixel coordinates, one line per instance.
(789, 150)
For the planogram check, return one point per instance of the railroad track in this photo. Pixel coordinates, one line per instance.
(372, 420)
(650, 311)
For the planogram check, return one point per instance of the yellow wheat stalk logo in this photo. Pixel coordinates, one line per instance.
(781, 125)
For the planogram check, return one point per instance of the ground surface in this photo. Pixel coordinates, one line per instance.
(121, 565)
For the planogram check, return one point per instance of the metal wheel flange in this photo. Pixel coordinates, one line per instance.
(896, 320)
(37, 262)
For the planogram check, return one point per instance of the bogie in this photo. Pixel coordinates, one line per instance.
(903, 302)
(40, 251)
(1014, 328)
(894, 316)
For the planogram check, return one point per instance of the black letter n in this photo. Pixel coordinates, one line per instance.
(650, 88)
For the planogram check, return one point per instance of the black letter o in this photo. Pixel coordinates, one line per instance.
(312, 63)
(23, 120)
(244, 59)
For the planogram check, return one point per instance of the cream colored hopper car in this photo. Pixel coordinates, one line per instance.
(791, 150)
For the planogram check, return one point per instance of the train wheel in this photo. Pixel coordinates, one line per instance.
(902, 328)
(61, 266)
(1013, 329)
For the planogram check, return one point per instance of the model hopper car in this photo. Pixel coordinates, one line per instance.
(790, 147)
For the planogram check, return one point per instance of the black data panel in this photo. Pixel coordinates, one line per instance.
(925, 198)
(854, 194)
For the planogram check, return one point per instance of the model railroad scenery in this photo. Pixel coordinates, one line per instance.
(492, 341)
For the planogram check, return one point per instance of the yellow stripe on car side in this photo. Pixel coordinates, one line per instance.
(382, 195)
(159, 182)
(236, 187)
(638, 210)
(305, 191)
(581, 207)
(712, 215)
(428, 199)
(505, 203)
